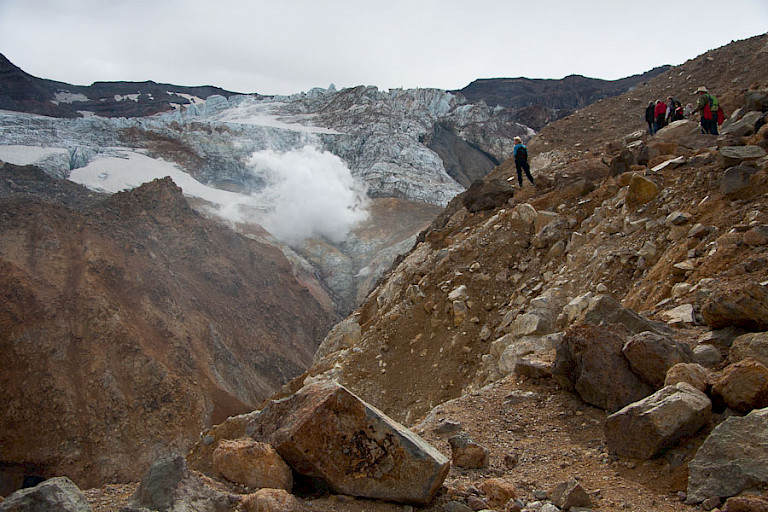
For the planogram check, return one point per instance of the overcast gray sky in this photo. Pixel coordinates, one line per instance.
(288, 46)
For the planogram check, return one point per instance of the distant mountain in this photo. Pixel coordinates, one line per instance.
(540, 101)
(20, 91)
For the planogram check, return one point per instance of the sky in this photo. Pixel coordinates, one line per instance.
(290, 46)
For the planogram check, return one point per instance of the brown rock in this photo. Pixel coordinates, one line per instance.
(253, 464)
(690, 373)
(745, 307)
(645, 427)
(650, 355)
(753, 345)
(743, 386)
(589, 360)
(757, 236)
(325, 431)
(466, 453)
(498, 491)
(746, 504)
(272, 500)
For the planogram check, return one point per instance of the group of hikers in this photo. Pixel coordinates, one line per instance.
(659, 114)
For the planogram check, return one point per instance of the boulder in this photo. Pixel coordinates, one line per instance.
(487, 194)
(707, 355)
(589, 360)
(743, 386)
(622, 162)
(325, 431)
(532, 368)
(690, 373)
(650, 355)
(169, 485)
(744, 126)
(752, 345)
(678, 129)
(723, 338)
(200, 458)
(59, 494)
(272, 500)
(641, 190)
(733, 458)
(745, 307)
(736, 155)
(466, 453)
(524, 346)
(497, 491)
(644, 428)
(252, 464)
(736, 179)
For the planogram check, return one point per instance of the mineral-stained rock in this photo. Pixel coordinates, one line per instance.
(589, 360)
(757, 236)
(733, 458)
(752, 345)
(466, 453)
(745, 307)
(498, 491)
(743, 386)
(645, 427)
(59, 494)
(650, 355)
(691, 373)
(253, 464)
(487, 194)
(272, 500)
(641, 190)
(325, 431)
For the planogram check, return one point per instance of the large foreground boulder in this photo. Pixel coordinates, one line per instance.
(644, 428)
(325, 431)
(59, 494)
(589, 361)
(733, 458)
(650, 355)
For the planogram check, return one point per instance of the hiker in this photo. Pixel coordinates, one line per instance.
(674, 110)
(661, 114)
(650, 117)
(520, 153)
(707, 105)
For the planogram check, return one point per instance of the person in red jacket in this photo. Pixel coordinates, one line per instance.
(661, 114)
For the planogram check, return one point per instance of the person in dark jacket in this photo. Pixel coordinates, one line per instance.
(650, 117)
(520, 153)
(674, 110)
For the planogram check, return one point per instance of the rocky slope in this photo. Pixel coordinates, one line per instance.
(129, 323)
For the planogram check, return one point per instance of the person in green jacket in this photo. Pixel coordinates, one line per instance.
(707, 106)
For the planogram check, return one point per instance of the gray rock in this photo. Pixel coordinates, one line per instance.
(707, 355)
(723, 338)
(736, 155)
(325, 431)
(736, 179)
(733, 458)
(650, 355)
(756, 100)
(605, 310)
(58, 494)
(570, 494)
(744, 126)
(645, 427)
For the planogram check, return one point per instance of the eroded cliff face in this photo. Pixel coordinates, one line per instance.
(129, 323)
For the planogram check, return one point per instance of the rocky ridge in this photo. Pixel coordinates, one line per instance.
(129, 323)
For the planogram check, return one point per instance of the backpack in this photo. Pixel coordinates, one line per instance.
(711, 108)
(522, 154)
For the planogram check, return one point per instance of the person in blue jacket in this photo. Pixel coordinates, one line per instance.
(520, 154)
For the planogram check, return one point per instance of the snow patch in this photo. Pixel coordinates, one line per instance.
(132, 97)
(28, 155)
(67, 97)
